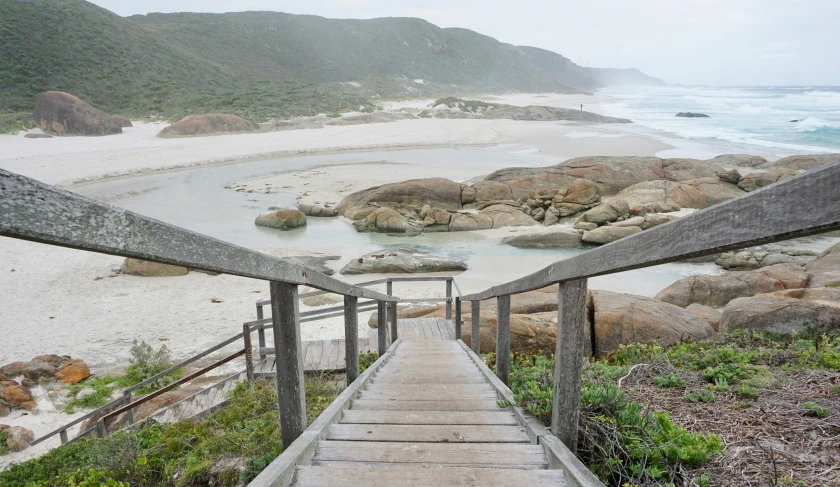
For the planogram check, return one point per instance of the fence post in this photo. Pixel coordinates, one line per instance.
(392, 312)
(249, 359)
(351, 337)
(449, 298)
(261, 332)
(382, 327)
(503, 338)
(475, 332)
(127, 398)
(458, 318)
(568, 361)
(291, 399)
(63, 435)
(101, 429)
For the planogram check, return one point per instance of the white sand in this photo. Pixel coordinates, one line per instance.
(55, 302)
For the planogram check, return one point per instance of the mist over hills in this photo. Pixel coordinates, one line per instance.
(261, 64)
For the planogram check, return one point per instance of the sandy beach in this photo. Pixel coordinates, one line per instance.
(72, 302)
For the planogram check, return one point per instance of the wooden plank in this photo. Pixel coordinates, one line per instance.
(441, 453)
(503, 339)
(423, 380)
(398, 405)
(559, 457)
(437, 466)
(475, 388)
(500, 417)
(281, 471)
(314, 352)
(351, 337)
(428, 433)
(415, 477)
(428, 395)
(571, 320)
(773, 213)
(291, 398)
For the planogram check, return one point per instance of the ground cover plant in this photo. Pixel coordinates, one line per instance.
(747, 408)
(146, 362)
(230, 446)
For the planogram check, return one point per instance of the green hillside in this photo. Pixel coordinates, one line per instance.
(256, 64)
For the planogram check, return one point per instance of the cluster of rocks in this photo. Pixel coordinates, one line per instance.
(470, 109)
(322, 211)
(62, 114)
(781, 297)
(614, 219)
(691, 115)
(17, 380)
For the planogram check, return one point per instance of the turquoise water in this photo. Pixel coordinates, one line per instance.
(758, 120)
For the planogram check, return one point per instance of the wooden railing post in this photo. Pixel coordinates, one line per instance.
(261, 332)
(382, 327)
(475, 332)
(249, 359)
(449, 299)
(458, 318)
(503, 338)
(392, 311)
(568, 361)
(131, 418)
(351, 337)
(63, 435)
(287, 355)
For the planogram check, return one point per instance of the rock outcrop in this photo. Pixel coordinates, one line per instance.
(72, 372)
(756, 259)
(825, 269)
(741, 160)
(624, 318)
(455, 108)
(705, 313)
(607, 234)
(16, 396)
(802, 162)
(435, 192)
(284, 219)
(401, 261)
(144, 268)
(565, 238)
(692, 193)
(59, 113)
(755, 180)
(124, 122)
(717, 291)
(316, 210)
(210, 124)
(691, 115)
(779, 315)
(18, 438)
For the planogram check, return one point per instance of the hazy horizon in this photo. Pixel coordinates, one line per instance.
(695, 42)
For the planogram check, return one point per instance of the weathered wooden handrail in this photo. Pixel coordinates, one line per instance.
(32, 210)
(803, 205)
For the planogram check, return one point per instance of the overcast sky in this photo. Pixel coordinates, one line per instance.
(718, 42)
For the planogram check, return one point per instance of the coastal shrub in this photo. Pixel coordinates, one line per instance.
(699, 396)
(12, 123)
(814, 409)
(366, 359)
(145, 361)
(833, 284)
(748, 392)
(835, 389)
(4, 449)
(230, 447)
(670, 380)
(620, 441)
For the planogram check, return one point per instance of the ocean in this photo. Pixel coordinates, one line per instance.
(763, 120)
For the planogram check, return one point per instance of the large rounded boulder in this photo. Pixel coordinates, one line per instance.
(621, 319)
(436, 192)
(284, 219)
(62, 114)
(694, 193)
(209, 124)
(779, 315)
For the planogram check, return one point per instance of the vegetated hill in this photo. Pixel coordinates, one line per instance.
(624, 77)
(256, 64)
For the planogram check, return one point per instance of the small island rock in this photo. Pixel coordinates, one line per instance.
(285, 219)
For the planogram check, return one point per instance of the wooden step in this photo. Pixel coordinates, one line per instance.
(439, 405)
(428, 433)
(501, 417)
(415, 477)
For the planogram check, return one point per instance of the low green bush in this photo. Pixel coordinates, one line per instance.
(699, 396)
(670, 380)
(814, 409)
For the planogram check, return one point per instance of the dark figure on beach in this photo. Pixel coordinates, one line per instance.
(581, 107)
